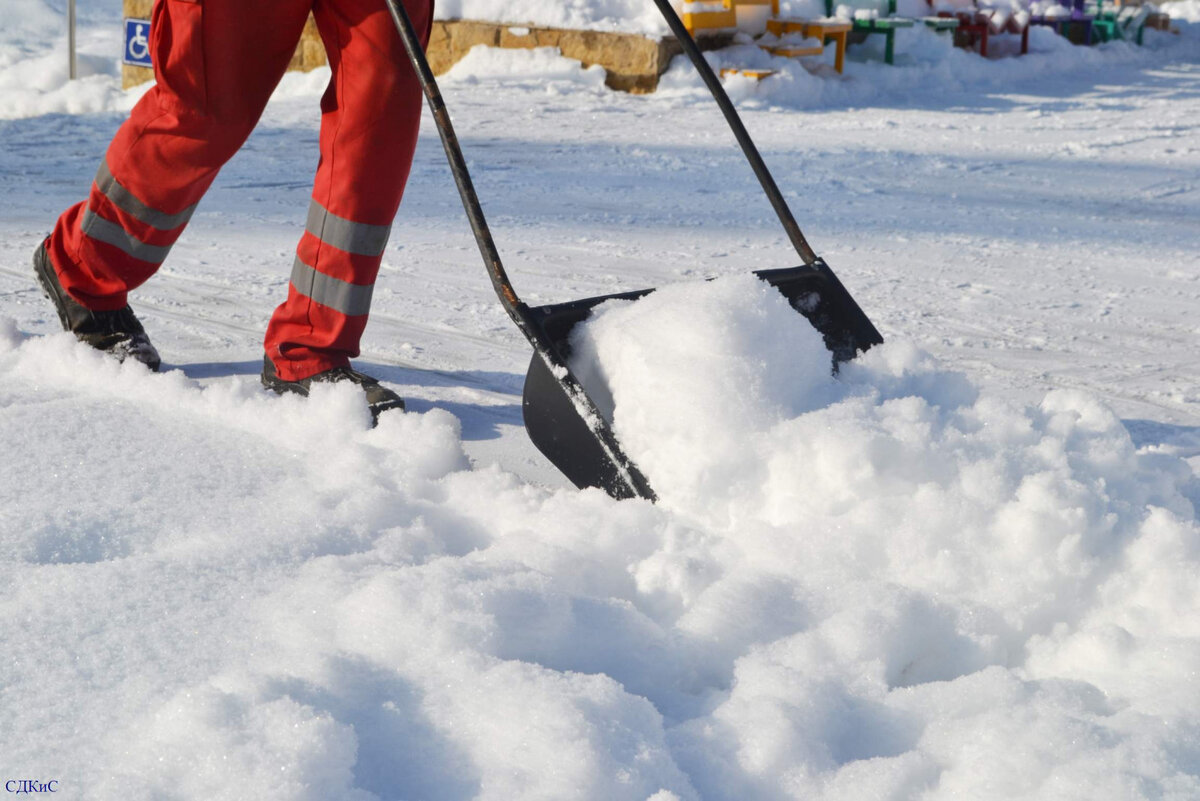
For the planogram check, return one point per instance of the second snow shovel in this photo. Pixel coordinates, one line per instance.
(562, 420)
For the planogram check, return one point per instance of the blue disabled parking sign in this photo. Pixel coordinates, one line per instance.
(137, 42)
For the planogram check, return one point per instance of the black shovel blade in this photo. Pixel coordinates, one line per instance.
(555, 422)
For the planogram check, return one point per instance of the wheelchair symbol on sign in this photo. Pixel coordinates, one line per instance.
(137, 42)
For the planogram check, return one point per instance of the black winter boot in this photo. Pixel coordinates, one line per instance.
(379, 398)
(115, 332)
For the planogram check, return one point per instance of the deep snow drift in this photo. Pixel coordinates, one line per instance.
(968, 566)
(886, 583)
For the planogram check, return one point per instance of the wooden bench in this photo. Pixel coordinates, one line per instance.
(977, 24)
(1120, 22)
(1068, 19)
(824, 31)
(872, 17)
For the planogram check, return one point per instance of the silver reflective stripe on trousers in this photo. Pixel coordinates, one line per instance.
(346, 235)
(127, 202)
(102, 230)
(350, 299)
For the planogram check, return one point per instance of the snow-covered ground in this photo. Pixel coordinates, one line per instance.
(968, 567)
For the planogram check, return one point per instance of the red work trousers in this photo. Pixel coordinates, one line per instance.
(216, 63)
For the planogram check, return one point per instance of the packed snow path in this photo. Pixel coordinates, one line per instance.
(966, 568)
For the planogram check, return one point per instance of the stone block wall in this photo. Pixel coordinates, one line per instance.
(633, 63)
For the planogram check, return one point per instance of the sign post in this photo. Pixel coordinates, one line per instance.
(72, 73)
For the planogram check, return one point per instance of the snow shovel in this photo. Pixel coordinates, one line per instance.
(561, 419)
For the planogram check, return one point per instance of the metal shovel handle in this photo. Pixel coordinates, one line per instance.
(634, 483)
(739, 131)
(458, 166)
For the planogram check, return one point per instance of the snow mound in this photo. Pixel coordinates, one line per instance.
(34, 63)
(884, 580)
(925, 61)
(540, 69)
(697, 371)
(885, 583)
(955, 570)
(1182, 10)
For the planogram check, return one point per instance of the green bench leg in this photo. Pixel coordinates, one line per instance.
(889, 52)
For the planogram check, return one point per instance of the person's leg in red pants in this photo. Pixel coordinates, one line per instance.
(216, 64)
(215, 67)
(370, 116)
